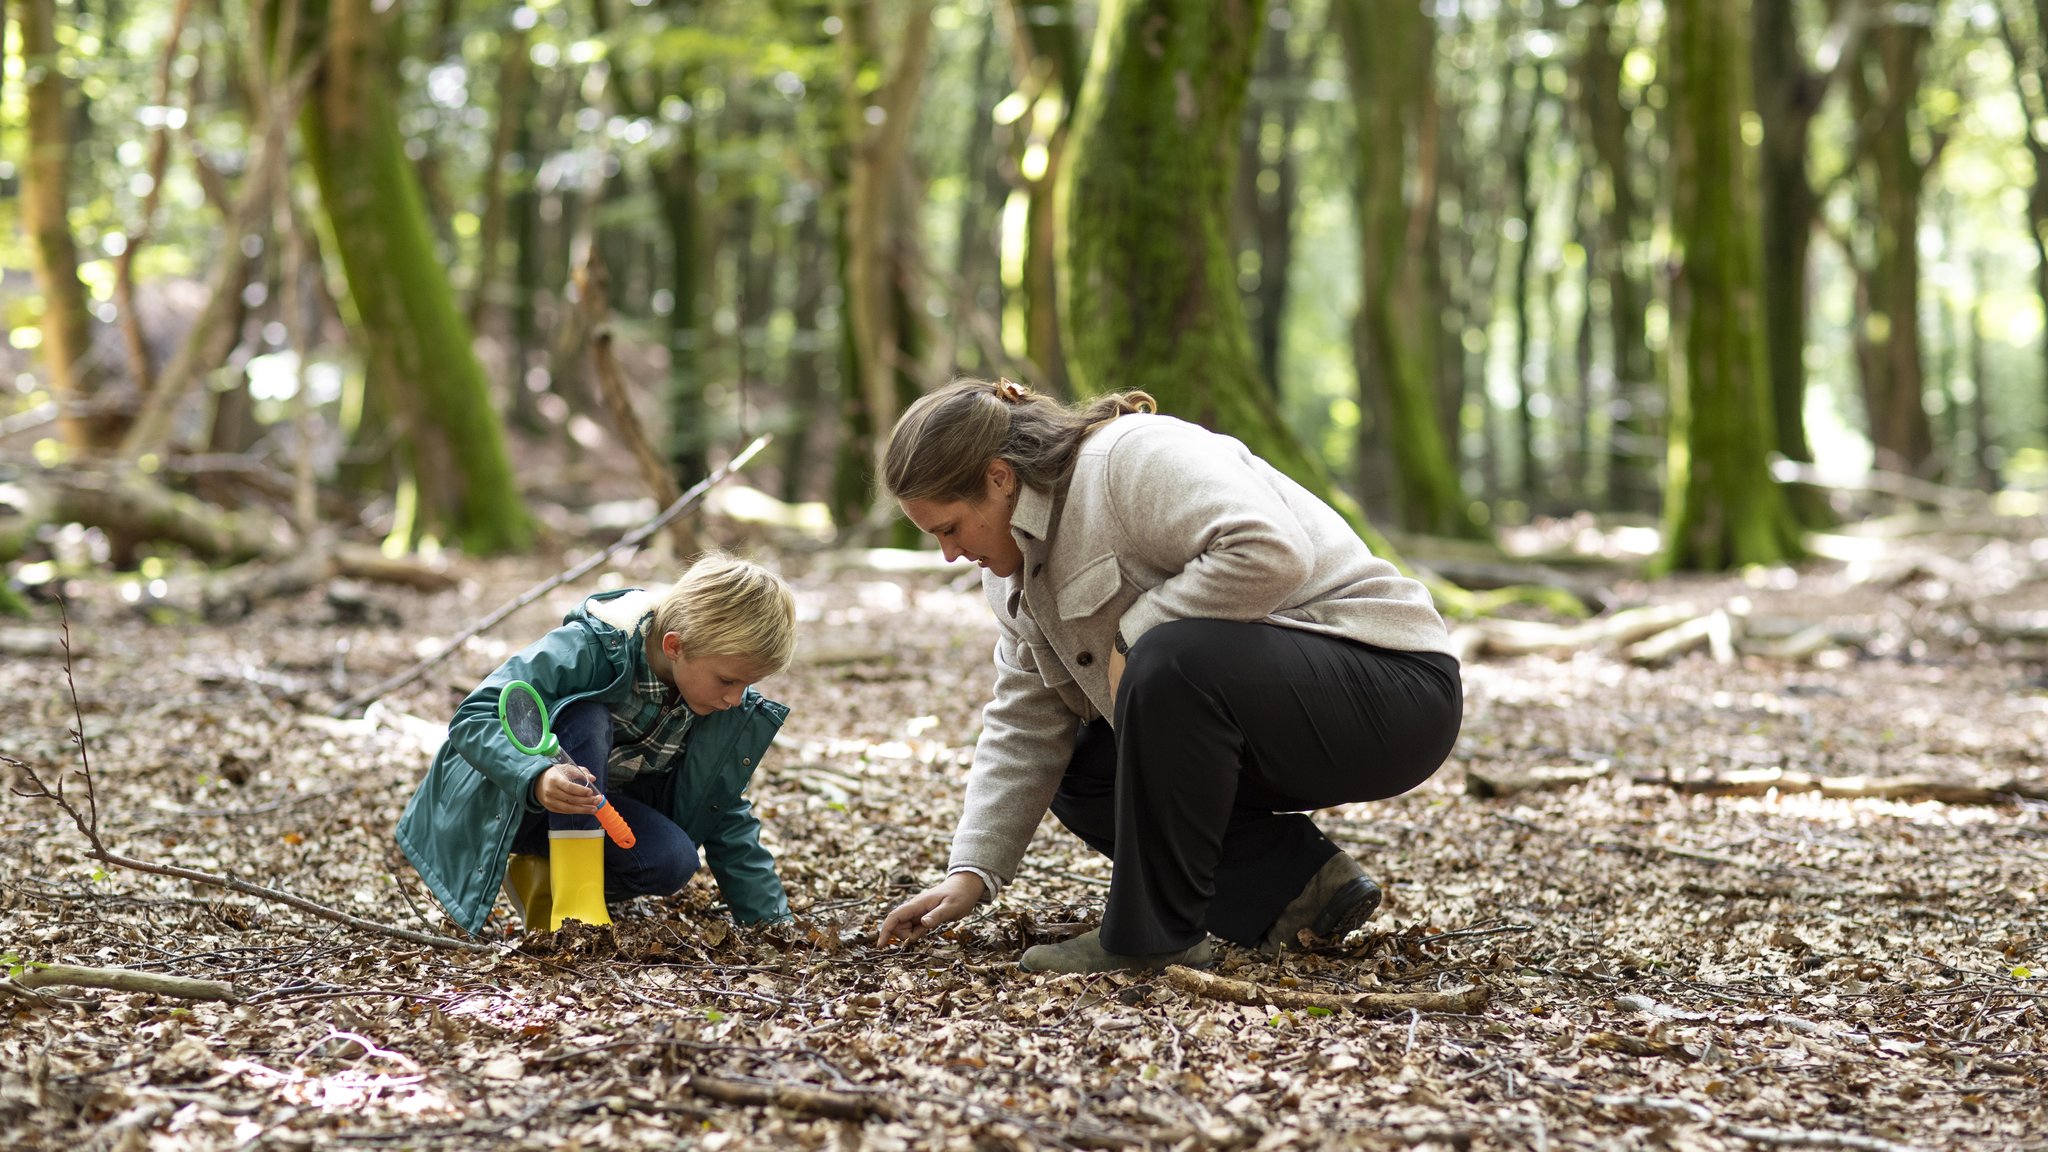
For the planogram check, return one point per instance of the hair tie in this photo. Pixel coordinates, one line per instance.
(1011, 392)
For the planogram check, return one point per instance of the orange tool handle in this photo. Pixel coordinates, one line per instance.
(615, 825)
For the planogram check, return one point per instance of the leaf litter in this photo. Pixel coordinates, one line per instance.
(1664, 969)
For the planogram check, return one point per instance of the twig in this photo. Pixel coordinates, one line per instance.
(126, 980)
(89, 820)
(683, 504)
(1801, 1138)
(1378, 1003)
(795, 1097)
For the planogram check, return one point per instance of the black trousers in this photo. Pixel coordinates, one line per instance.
(1225, 734)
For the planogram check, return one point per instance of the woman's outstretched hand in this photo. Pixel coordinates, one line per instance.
(942, 903)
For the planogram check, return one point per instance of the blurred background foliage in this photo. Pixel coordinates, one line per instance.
(791, 217)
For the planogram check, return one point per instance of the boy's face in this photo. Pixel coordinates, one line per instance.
(709, 683)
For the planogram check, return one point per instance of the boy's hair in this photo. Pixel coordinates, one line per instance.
(724, 606)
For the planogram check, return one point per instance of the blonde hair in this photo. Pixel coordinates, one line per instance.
(942, 446)
(724, 606)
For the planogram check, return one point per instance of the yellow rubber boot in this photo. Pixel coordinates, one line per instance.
(576, 863)
(527, 884)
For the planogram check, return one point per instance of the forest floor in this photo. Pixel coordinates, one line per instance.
(1663, 970)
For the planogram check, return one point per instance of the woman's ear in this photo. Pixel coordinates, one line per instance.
(1002, 479)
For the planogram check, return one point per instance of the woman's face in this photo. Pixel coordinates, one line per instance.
(977, 529)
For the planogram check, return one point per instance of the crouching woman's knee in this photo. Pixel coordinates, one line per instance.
(1173, 655)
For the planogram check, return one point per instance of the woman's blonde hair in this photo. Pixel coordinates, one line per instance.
(725, 606)
(942, 446)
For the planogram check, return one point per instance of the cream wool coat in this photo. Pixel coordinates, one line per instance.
(1161, 520)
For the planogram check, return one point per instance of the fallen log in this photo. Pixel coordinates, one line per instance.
(1494, 783)
(1760, 781)
(126, 980)
(1532, 637)
(803, 1098)
(1199, 983)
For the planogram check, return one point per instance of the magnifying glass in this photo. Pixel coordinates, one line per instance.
(525, 720)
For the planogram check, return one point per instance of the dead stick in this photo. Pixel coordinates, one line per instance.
(323, 911)
(126, 980)
(795, 1097)
(1378, 1003)
(682, 504)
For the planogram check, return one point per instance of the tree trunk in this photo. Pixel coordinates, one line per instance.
(1266, 194)
(1051, 61)
(1787, 96)
(1888, 339)
(807, 401)
(1390, 57)
(515, 79)
(881, 225)
(1526, 99)
(79, 382)
(682, 212)
(2030, 77)
(1980, 381)
(1635, 402)
(1722, 509)
(418, 345)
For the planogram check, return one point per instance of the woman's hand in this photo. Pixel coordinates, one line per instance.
(567, 789)
(944, 902)
(1116, 676)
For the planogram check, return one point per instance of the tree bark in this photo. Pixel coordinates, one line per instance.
(1389, 53)
(1049, 59)
(881, 225)
(1722, 509)
(1266, 195)
(1888, 341)
(79, 382)
(1636, 400)
(1151, 293)
(418, 345)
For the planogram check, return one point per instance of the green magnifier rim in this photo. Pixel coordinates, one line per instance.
(547, 744)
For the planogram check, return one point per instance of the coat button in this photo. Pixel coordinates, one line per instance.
(746, 761)
(1084, 659)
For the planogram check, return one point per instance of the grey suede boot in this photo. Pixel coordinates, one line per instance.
(1084, 953)
(1337, 900)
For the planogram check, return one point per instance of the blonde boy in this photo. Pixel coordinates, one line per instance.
(650, 695)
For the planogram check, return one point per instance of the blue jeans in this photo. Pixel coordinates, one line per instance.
(662, 858)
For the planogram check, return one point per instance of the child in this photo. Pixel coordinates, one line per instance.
(649, 694)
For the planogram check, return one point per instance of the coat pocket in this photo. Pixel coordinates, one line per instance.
(1087, 590)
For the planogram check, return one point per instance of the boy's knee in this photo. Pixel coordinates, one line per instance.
(668, 874)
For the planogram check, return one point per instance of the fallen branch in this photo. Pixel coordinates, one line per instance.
(1802, 1138)
(1760, 781)
(88, 824)
(235, 593)
(682, 504)
(1717, 630)
(611, 387)
(1494, 783)
(1198, 983)
(1504, 637)
(795, 1097)
(126, 980)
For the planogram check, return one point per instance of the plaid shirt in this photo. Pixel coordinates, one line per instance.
(650, 727)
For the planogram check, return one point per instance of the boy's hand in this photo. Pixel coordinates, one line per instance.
(567, 789)
(944, 902)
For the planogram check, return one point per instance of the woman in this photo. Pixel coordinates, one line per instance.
(1193, 652)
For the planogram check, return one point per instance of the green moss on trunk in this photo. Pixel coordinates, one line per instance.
(416, 340)
(1722, 509)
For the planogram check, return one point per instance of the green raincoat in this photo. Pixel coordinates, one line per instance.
(458, 828)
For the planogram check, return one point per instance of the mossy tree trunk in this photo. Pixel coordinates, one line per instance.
(1722, 508)
(1150, 287)
(77, 379)
(1389, 54)
(1888, 339)
(404, 310)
